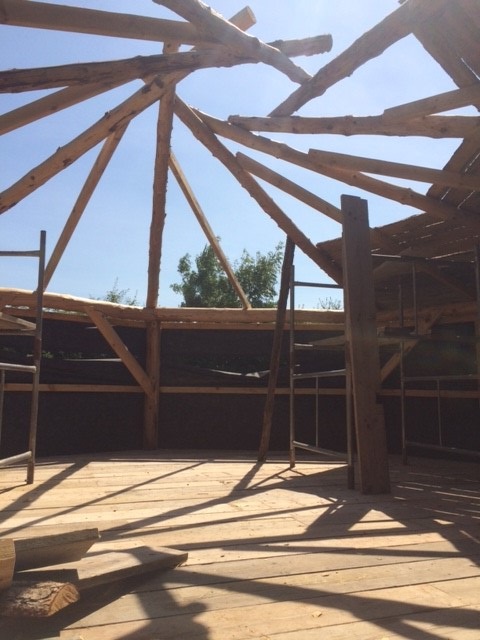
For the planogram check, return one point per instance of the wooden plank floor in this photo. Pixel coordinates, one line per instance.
(273, 552)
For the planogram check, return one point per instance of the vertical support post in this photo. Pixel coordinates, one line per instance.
(152, 402)
(362, 345)
(292, 367)
(477, 320)
(276, 348)
(37, 358)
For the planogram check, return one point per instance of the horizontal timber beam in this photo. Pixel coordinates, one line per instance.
(428, 126)
(42, 15)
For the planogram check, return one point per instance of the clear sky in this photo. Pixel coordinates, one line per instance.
(111, 241)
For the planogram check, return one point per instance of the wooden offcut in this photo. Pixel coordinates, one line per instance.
(7, 562)
(41, 551)
(36, 599)
(111, 562)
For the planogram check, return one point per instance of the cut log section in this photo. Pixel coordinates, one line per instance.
(36, 599)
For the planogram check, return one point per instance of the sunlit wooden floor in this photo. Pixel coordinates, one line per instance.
(273, 552)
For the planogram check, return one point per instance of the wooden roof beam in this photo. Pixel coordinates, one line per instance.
(214, 26)
(401, 195)
(439, 103)
(206, 136)
(305, 46)
(429, 126)
(370, 45)
(162, 155)
(64, 156)
(207, 230)
(42, 15)
(101, 163)
(292, 188)
(395, 169)
(114, 72)
(53, 103)
(118, 346)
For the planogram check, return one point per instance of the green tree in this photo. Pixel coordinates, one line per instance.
(207, 285)
(120, 296)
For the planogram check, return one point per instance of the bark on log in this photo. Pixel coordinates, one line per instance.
(370, 45)
(401, 195)
(214, 26)
(41, 15)
(208, 138)
(426, 126)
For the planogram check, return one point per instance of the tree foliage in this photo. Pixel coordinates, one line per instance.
(120, 296)
(206, 285)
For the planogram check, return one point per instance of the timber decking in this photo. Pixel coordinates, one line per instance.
(272, 552)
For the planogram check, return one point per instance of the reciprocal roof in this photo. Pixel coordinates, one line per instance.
(447, 227)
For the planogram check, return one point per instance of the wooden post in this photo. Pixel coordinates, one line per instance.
(152, 401)
(276, 348)
(362, 347)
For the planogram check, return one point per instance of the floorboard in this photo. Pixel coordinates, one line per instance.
(273, 552)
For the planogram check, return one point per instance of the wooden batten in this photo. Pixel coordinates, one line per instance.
(59, 548)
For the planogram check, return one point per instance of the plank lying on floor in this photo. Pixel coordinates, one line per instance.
(111, 562)
(42, 551)
(7, 562)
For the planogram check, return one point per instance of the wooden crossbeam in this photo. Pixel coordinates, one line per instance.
(53, 103)
(370, 45)
(42, 15)
(401, 195)
(64, 156)
(428, 126)
(116, 71)
(395, 169)
(208, 231)
(118, 346)
(101, 163)
(208, 138)
(290, 187)
(446, 101)
(214, 26)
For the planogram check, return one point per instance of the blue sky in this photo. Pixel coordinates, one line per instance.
(111, 241)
